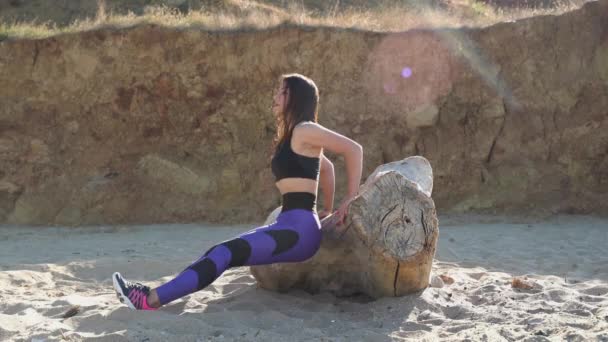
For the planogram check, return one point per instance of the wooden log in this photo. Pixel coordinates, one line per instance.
(385, 246)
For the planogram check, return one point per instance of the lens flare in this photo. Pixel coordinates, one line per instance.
(389, 73)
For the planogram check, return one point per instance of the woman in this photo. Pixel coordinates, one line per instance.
(299, 166)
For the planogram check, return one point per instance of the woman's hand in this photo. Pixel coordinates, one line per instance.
(324, 213)
(343, 210)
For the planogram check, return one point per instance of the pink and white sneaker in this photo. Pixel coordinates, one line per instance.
(133, 294)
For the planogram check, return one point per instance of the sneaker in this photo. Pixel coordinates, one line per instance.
(133, 294)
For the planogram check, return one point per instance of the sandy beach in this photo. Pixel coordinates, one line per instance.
(45, 271)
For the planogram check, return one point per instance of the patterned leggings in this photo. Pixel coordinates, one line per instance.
(294, 237)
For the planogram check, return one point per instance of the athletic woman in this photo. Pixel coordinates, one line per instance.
(299, 166)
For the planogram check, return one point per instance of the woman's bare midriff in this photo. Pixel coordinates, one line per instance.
(297, 185)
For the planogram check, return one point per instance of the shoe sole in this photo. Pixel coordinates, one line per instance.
(123, 299)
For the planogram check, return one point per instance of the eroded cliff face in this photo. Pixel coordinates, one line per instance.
(151, 125)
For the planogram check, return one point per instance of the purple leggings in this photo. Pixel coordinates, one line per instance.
(294, 237)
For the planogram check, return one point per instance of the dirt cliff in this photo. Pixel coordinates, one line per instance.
(150, 124)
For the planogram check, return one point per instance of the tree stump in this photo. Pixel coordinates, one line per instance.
(385, 246)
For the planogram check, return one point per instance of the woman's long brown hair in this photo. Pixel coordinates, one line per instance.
(301, 105)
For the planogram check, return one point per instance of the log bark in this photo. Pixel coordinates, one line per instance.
(385, 247)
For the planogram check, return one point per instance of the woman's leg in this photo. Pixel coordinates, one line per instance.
(277, 242)
(294, 237)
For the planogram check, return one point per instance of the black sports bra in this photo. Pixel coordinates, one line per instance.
(288, 164)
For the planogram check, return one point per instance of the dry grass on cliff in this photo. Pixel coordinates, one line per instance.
(247, 15)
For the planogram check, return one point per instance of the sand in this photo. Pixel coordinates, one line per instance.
(45, 271)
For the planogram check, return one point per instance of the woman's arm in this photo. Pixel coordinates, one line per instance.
(317, 135)
(327, 184)
(353, 158)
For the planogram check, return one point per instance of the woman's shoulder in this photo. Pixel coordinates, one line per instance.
(304, 129)
(308, 133)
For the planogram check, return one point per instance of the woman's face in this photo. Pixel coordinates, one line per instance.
(280, 99)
